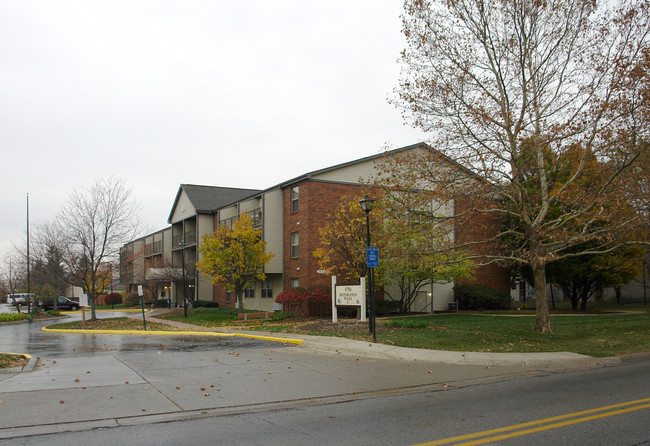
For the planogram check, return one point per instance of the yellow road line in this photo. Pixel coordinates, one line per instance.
(174, 333)
(638, 405)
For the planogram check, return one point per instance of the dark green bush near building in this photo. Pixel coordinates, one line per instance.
(386, 307)
(480, 297)
(206, 304)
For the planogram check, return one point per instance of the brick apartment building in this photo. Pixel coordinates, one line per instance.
(289, 216)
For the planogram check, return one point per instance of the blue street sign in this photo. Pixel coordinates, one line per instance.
(372, 256)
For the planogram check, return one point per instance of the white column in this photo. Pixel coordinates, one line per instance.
(363, 299)
(334, 314)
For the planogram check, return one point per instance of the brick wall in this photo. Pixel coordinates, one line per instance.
(317, 200)
(477, 228)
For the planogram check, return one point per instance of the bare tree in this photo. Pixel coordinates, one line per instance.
(544, 103)
(50, 275)
(12, 276)
(95, 223)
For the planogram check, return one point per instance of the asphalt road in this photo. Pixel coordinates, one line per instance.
(425, 417)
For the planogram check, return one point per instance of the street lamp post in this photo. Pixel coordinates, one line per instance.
(182, 246)
(366, 205)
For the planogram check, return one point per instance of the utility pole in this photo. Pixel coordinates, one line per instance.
(29, 296)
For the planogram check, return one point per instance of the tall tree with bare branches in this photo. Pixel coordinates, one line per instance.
(545, 103)
(95, 222)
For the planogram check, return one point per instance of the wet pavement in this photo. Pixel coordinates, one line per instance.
(28, 338)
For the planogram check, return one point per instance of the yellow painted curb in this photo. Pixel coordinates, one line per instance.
(174, 333)
(18, 354)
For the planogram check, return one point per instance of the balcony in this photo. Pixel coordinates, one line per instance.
(189, 238)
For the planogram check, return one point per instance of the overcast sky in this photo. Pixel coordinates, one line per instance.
(224, 93)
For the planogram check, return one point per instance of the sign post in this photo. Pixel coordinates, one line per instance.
(83, 303)
(348, 296)
(141, 294)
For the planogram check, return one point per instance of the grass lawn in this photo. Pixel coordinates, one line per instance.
(598, 335)
(593, 335)
(8, 360)
(115, 323)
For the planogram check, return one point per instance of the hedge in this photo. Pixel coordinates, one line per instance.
(480, 297)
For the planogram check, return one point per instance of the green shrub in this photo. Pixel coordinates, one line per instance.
(407, 323)
(278, 316)
(216, 310)
(206, 304)
(384, 307)
(480, 297)
(160, 303)
(131, 300)
(52, 313)
(11, 317)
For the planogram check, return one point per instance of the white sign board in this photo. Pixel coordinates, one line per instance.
(349, 295)
(140, 290)
(83, 300)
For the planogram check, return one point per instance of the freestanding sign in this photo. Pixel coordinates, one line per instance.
(83, 303)
(141, 294)
(348, 296)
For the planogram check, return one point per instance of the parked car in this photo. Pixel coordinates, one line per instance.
(18, 298)
(62, 303)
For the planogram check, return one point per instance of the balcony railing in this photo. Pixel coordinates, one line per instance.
(189, 238)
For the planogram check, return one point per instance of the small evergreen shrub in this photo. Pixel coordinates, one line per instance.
(206, 304)
(480, 297)
(385, 307)
(407, 323)
(131, 300)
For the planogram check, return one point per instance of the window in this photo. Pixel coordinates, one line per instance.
(294, 199)
(249, 292)
(294, 283)
(256, 217)
(267, 288)
(228, 296)
(294, 245)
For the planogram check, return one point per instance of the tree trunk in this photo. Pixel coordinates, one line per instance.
(543, 318)
(240, 300)
(91, 301)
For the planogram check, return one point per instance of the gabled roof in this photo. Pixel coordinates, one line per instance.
(207, 199)
(422, 145)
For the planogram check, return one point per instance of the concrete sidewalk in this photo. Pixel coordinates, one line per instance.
(346, 346)
(120, 388)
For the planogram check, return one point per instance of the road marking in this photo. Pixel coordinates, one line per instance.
(173, 333)
(491, 436)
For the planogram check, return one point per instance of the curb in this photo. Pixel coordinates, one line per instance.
(176, 333)
(27, 368)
